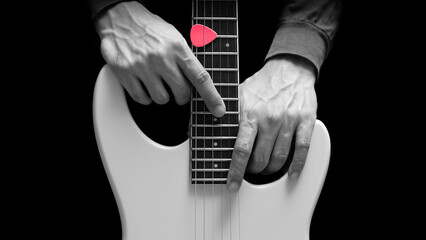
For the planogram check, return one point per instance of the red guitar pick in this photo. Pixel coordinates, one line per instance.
(202, 35)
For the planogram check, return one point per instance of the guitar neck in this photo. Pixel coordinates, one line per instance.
(213, 139)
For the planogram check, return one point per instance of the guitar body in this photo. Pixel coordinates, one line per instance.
(155, 196)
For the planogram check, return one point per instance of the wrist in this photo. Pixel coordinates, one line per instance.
(294, 63)
(118, 12)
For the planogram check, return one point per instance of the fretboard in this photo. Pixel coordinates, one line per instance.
(213, 139)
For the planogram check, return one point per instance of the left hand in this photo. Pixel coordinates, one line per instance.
(277, 103)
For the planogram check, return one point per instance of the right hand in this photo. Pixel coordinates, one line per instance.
(141, 48)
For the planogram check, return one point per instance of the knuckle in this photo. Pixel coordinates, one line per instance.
(279, 156)
(123, 64)
(155, 55)
(303, 144)
(178, 43)
(140, 61)
(258, 163)
(291, 118)
(308, 116)
(203, 77)
(297, 164)
(272, 119)
(242, 151)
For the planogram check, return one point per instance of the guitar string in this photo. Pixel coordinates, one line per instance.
(196, 128)
(204, 129)
(213, 177)
(221, 133)
(227, 68)
(238, 108)
(196, 123)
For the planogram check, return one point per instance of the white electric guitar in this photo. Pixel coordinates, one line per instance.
(179, 192)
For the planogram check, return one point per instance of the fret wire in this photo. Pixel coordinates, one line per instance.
(222, 69)
(208, 113)
(226, 84)
(218, 53)
(209, 159)
(226, 36)
(215, 149)
(216, 18)
(225, 99)
(216, 137)
(210, 181)
(214, 125)
(212, 169)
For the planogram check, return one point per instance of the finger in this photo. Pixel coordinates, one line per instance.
(202, 81)
(177, 83)
(108, 51)
(154, 85)
(132, 86)
(281, 149)
(265, 140)
(241, 154)
(302, 143)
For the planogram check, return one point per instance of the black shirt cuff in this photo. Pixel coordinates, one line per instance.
(98, 6)
(302, 39)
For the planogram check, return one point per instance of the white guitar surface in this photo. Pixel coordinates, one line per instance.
(156, 199)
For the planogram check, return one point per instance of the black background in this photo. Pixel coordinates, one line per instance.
(59, 185)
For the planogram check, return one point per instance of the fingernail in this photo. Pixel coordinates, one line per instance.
(219, 111)
(233, 186)
(294, 175)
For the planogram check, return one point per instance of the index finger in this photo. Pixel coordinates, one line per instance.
(241, 154)
(202, 81)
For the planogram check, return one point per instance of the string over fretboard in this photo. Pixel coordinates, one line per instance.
(212, 138)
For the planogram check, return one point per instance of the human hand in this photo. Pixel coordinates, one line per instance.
(141, 48)
(277, 103)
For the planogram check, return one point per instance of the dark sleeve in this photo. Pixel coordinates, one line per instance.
(97, 6)
(307, 28)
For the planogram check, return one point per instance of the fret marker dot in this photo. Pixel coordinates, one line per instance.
(215, 144)
(227, 44)
(215, 165)
(215, 119)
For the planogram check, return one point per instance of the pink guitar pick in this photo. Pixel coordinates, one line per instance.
(202, 35)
